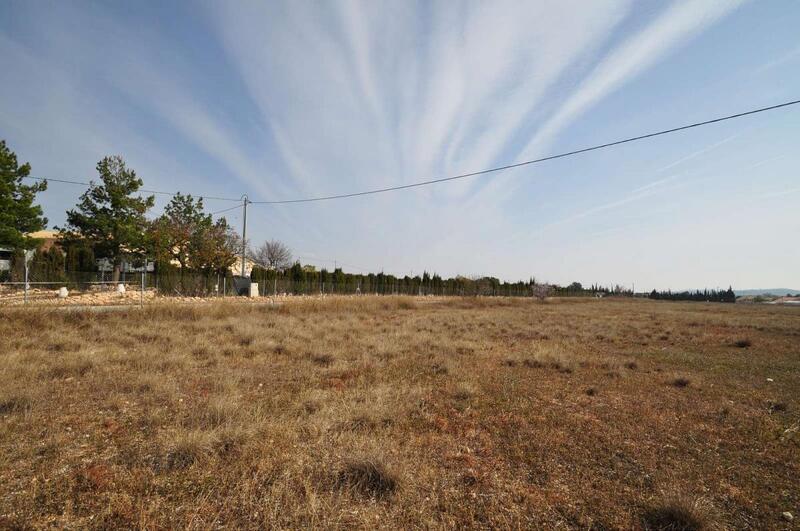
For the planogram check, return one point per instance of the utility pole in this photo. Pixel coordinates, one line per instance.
(244, 233)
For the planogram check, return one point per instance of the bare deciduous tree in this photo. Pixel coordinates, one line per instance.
(273, 254)
(540, 291)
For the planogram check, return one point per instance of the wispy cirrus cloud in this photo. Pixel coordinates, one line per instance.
(360, 95)
(291, 99)
(780, 193)
(450, 101)
(387, 108)
(674, 27)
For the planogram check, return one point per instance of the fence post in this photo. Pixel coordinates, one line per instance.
(25, 258)
(141, 293)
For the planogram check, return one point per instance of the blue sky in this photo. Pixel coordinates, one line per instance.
(295, 99)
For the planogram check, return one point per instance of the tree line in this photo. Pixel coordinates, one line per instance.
(713, 295)
(110, 222)
(299, 278)
(191, 252)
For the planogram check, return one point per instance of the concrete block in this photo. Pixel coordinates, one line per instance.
(254, 289)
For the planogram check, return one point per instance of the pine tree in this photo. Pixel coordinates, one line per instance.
(19, 216)
(109, 216)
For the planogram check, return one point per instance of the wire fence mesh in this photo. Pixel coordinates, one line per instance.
(37, 280)
(45, 276)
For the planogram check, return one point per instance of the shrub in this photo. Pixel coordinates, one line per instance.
(359, 423)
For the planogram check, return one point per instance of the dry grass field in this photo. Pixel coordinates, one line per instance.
(392, 412)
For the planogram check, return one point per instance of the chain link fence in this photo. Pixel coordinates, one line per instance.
(33, 278)
(391, 286)
(38, 278)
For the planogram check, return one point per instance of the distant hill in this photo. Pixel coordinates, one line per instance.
(771, 291)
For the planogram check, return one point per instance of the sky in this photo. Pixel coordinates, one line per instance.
(285, 100)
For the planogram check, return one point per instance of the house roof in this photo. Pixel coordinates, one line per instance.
(44, 234)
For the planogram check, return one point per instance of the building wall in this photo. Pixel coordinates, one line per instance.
(5, 259)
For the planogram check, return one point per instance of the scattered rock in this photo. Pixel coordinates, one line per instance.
(787, 516)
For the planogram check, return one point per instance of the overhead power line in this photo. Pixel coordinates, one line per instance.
(142, 190)
(224, 210)
(463, 175)
(336, 263)
(529, 162)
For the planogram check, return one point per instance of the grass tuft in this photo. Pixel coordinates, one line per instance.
(675, 515)
(779, 407)
(180, 457)
(680, 382)
(533, 364)
(311, 406)
(463, 392)
(201, 353)
(360, 423)
(323, 359)
(70, 368)
(280, 350)
(14, 404)
(187, 449)
(229, 442)
(368, 478)
(438, 368)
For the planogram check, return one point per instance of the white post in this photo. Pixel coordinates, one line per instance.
(25, 258)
